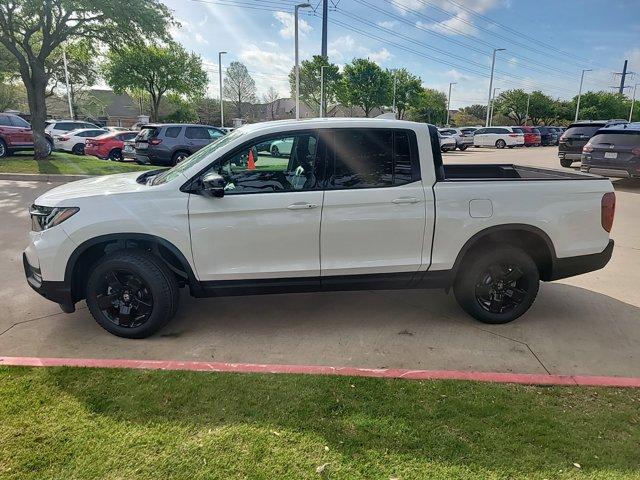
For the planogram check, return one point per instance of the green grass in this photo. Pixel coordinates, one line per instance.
(65, 423)
(65, 163)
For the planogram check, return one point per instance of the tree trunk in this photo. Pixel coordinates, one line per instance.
(36, 84)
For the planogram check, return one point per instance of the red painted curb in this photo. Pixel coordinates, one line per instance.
(520, 378)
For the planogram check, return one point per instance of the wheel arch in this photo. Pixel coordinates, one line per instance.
(531, 239)
(89, 252)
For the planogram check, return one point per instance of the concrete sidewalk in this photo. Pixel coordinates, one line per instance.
(588, 325)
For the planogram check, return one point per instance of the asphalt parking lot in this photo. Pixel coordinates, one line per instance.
(587, 325)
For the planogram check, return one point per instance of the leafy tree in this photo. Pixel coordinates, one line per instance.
(542, 108)
(239, 86)
(513, 105)
(602, 105)
(408, 89)
(310, 71)
(472, 115)
(12, 96)
(365, 85)
(182, 111)
(207, 110)
(158, 70)
(32, 30)
(271, 99)
(431, 107)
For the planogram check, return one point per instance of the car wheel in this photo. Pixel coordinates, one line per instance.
(498, 284)
(115, 155)
(500, 143)
(275, 152)
(3, 149)
(132, 294)
(463, 147)
(565, 163)
(78, 149)
(179, 157)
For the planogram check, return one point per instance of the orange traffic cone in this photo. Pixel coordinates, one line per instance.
(251, 163)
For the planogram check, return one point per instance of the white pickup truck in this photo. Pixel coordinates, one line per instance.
(354, 204)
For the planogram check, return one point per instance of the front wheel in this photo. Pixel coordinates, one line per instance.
(275, 152)
(78, 149)
(463, 147)
(132, 294)
(565, 163)
(501, 143)
(497, 284)
(3, 149)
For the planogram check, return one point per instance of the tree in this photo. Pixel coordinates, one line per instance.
(208, 110)
(239, 87)
(32, 30)
(431, 107)
(271, 99)
(542, 108)
(158, 70)
(310, 71)
(512, 104)
(408, 89)
(603, 105)
(476, 110)
(365, 85)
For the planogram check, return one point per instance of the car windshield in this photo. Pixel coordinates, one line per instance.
(183, 166)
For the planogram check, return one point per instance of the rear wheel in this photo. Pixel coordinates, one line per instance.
(3, 149)
(565, 163)
(497, 284)
(78, 149)
(115, 155)
(463, 147)
(179, 157)
(500, 143)
(275, 152)
(132, 294)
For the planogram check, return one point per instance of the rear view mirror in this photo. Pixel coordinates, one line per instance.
(213, 184)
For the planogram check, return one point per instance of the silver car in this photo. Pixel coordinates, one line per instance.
(463, 139)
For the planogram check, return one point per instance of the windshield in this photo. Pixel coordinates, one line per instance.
(172, 173)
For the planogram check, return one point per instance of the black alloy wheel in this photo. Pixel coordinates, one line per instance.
(126, 300)
(501, 288)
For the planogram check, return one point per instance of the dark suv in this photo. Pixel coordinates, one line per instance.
(614, 152)
(576, 137)
(169, 144)
(548, 135)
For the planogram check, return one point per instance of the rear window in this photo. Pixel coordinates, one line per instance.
(535, 130)
(4, 121)
(582, 130)
(197, 133)
(518, 130)
(147, 132)
(618, 139)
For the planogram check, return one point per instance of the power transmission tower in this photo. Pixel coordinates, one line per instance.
(623, 76)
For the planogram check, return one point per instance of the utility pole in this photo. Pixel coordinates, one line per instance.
(66, 79)
(449, 102)
(633, 100)
(623, 75)
(395, 82)
(526, 115)
(325, 19)
(220, 78)
(493, 99)
(322, 90)
(493, 64)
(297, 66)
(580, 93)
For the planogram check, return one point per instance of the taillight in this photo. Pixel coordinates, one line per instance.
(607, 210)
(513, 134)
(588, 148)
(562, 138)
(155, 141)
(63, 139)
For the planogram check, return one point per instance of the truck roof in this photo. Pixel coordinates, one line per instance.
(331, 122)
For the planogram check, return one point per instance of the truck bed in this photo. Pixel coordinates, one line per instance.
(465, 172)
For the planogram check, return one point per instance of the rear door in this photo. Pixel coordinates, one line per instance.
(373, 214)
(197, 137)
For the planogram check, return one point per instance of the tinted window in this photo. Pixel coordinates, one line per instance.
(582, 130)
(517, 130)
(481, 131)
(128, 136)
(19, 121)
(197, 133)
(401, 158)
(172, 132)
(622, 139)
(65, 126)
(147, 132)
(4, 121)
(86, 125)
(535, 130)
(214, 133)
(500, 130)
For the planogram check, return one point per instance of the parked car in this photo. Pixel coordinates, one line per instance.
(499, 137)
(60, 127)
(447, 142)
(117, 129)
(15, 134)
(531, 136)
(614, 152)
(74, 140)
(281, 147)
(170, 144)
(548, 135)
(359, 215)
(109, 145)
(463, 139)
(576, 137)
(558, 131)
(470, 130)
(129, 150)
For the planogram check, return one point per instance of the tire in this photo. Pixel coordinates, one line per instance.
(135, 280)
(566, 163)
(3, 149)
(115, 155)
(482, 288)
(275, 152)
(78, 149)
(463, 147)
(178, 157)
(500, 143)
(510, 146)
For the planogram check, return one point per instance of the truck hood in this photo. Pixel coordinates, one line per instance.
(91, 187)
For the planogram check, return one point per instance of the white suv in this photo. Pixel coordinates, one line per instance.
(499, 137)
(60, 127)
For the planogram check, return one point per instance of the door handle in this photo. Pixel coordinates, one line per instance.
(302, 206)
(403, 200)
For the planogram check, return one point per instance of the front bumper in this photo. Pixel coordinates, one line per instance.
(58, 292)
(571, 266)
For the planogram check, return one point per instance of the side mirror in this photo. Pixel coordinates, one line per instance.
(213, 184)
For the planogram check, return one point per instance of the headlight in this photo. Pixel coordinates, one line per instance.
(43, 218)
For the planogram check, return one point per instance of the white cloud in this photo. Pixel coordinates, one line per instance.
(287, 21)
(259, 61)
(380, 56)
(387, 24)
(187, 33)
(340, 47)
(456, 25)
(456, 75)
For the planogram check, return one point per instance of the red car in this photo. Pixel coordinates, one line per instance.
(532, 136)
(108, 146)
(15, 134)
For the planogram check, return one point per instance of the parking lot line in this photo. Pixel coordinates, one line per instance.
(493, 377)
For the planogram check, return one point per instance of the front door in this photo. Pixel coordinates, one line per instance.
(267, 224)
(374, 211)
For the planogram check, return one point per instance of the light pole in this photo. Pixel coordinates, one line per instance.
(220, 77)
(322, 90)
(493, 99)
(395, 84)
(633, 100)
(297, 67)
(66, 80)
(526, 115)
(449, 102)
(580, 93)
(493, 64)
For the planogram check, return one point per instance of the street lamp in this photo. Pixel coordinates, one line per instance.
(580, 93)
(449, 102)
(633, 100)
(297, 67)
(395, 84)
(493, 64)
(493, 99)
(322, 90)
(526, 115)
(220, 76)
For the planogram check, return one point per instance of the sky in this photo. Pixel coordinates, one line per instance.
(548, 42)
